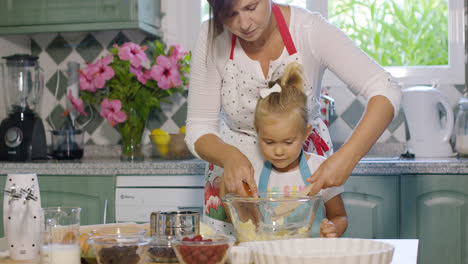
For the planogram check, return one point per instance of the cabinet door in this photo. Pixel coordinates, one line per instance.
(93, 194)
(434, 209)
(42, 12)
(371, 203)
(39, 16)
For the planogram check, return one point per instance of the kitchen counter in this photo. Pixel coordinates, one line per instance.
(96, 163)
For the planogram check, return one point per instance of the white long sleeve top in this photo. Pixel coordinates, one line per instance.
(321, 45)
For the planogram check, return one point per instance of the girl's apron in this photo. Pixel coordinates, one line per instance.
(266, 171)
(240, 89)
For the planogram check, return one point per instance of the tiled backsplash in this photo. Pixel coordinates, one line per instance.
(55, 50)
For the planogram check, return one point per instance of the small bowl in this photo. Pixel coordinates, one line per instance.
(170, 146)
(88, 254)
(211, 249)
(161, 251)
(254, 218)
(120, 249)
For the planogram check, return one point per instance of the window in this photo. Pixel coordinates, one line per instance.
(419, 41)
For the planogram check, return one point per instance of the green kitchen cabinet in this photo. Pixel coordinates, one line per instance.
(95, 195)
(372, 206)
(434, 209)
(38, 16)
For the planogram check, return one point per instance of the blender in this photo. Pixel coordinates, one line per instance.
(22, 135)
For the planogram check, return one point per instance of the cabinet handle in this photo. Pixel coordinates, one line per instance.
(122, 196)
(105, 211)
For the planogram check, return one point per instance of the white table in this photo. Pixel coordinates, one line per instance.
(406, 250)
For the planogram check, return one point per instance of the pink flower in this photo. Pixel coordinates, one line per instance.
(177, 53)
(111, 111)
(166, 73)
(77, 103)
(133, 52)
(142, 74)
(102, 71)
(86, 79)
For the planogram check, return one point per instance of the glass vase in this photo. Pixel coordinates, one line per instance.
(131, 132)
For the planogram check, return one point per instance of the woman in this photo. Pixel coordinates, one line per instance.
(247, 44)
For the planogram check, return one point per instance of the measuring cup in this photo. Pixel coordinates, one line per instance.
(60, 235)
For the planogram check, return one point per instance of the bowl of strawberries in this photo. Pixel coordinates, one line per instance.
(212, 249)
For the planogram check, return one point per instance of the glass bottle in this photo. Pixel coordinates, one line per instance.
(461, 127)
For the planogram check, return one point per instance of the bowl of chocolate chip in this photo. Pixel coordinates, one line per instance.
(120, 249)
(161, 251)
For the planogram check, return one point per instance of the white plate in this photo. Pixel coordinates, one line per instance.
(320, 251)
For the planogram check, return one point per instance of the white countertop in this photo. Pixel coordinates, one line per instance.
(406, 250)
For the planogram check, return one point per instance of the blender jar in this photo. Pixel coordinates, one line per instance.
(23, 80)
(461, 127)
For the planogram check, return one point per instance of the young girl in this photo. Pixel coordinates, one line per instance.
(281, 124)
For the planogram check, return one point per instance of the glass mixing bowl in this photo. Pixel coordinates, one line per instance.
(257, 219)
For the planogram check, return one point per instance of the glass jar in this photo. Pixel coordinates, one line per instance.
(461, 127)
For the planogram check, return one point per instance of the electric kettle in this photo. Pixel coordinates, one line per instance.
(427, 134)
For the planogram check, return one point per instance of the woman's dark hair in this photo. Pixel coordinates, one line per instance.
(219, 10)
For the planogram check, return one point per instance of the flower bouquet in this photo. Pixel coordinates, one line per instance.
(127, 85)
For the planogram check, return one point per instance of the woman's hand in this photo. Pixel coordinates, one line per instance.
(327, 228)
(237, 170)
(334, 171)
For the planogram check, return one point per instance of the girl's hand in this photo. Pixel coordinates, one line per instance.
(237, 170)
(327, 228)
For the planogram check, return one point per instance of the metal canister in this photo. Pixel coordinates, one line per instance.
(175, 223)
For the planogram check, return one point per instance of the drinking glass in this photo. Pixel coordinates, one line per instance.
(60, 233)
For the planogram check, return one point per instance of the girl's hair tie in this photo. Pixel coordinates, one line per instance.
(267, 91)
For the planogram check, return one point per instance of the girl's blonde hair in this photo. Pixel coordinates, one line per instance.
(292, 98)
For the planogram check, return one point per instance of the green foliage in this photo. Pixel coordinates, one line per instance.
(396, 33)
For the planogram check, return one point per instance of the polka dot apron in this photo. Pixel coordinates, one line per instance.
(240, 90)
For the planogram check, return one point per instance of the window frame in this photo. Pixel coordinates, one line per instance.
(453, 73)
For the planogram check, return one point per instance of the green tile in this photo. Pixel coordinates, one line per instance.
(90, 125)
(61, 90)
(185, 93)
(59, 49)
(119, 40)
(56, 117)
(35, 48)
(90, 142)
(461, 88)
(156, 119)
(353, 114)
(392, 139)
(397, 121)
(89, 48)
(180, 116)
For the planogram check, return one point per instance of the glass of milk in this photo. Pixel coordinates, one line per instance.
(60, 235)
